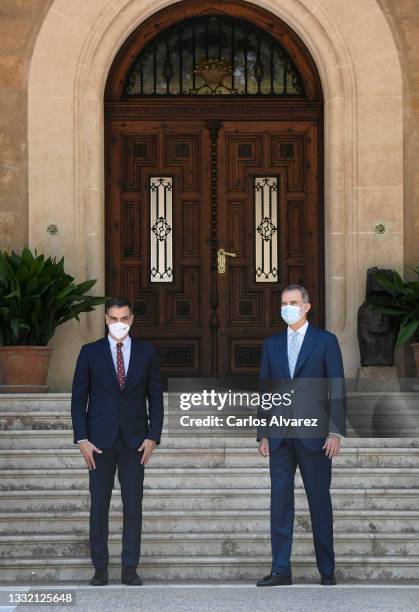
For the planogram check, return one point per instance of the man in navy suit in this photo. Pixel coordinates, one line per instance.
(113, 380)
(303, 351)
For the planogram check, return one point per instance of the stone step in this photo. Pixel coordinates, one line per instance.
(163, 457)
(62, 400)
(61, 420)
(222, 521)
(53, 546)
(201, 499)
(220, 477)
(202, 457)
(35, 401)
(35, 420)
(50, 414)
(63, 438)
(201, 568)
(52, 411)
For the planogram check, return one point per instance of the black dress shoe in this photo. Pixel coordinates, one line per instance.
(129, 576)
(99, 578)
(328, 580)
(274, 580)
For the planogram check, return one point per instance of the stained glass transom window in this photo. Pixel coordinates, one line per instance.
(266, 228)
(213, 55)
(161, 229)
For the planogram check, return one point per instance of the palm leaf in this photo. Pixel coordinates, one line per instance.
(401, 302)
(37, 295)
(406, 332)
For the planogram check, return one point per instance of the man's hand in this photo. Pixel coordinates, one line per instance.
(147, 447)
(332, 446)
(263, 449)
(87, 449)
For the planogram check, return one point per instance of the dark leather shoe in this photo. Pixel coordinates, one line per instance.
(328, 580)
(274, 580)
(99, 578)
(129, 576)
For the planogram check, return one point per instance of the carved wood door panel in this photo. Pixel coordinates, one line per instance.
(268, 217)
(158, 227)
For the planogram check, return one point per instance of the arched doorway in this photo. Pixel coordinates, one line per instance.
(214, 135)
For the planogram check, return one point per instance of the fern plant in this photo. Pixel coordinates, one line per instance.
(401, 302)
(36, 295)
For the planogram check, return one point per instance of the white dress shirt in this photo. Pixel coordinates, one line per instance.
(300, 337)
(126, 353)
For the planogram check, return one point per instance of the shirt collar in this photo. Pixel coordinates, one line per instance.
(302, 330)
(126, 342)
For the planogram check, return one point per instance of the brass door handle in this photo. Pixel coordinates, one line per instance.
(221, 260)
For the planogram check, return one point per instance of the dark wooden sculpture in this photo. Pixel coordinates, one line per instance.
(377, 332)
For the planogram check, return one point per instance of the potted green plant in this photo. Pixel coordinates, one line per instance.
(36, 295)
(401, 302)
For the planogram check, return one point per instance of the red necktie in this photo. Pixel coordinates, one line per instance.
(120, 365)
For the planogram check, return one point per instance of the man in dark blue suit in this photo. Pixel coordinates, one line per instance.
(311, 358)
(114, 379)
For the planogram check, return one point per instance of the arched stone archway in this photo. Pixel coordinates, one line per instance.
(363, 182)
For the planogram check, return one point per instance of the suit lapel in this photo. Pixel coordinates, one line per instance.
(133, 358)
(283, 353)
(309, 342)
(109, 361)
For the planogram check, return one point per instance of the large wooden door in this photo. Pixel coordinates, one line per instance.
(248, 188)
(268, 217)
(214, 123)
(159, 257)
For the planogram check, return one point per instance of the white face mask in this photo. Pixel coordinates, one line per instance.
(291, 314)
(119, 330)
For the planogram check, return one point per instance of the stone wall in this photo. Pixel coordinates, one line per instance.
(20, 21)
(19, 24)
(403, 17)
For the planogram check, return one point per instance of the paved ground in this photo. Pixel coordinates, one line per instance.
(226, 598)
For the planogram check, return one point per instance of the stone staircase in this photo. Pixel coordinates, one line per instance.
(206, 505)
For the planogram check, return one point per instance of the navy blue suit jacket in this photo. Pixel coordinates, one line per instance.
(99, 407)
(319, 358)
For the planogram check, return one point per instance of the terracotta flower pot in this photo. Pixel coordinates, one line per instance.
(24, 369)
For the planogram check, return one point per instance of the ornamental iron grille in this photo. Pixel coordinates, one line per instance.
(161, 232)
(266, 228)
(213, 54)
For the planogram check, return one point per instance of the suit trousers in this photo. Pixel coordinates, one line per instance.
(101, 481)
(316, 472)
